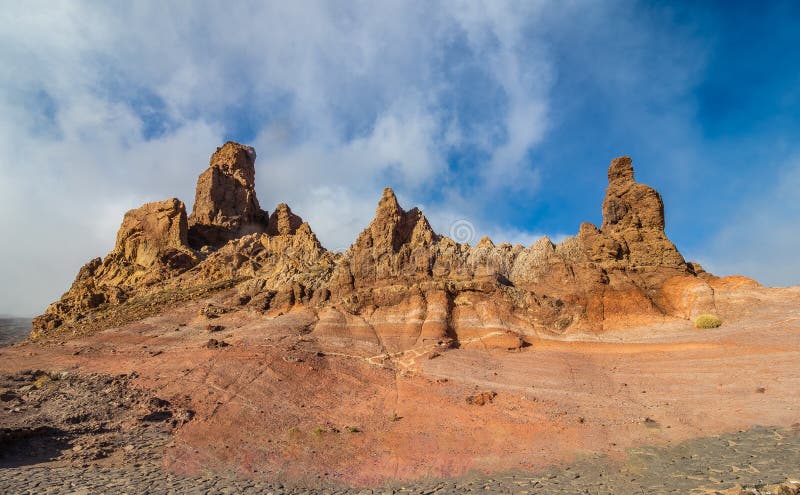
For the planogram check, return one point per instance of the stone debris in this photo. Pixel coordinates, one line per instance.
(647, 470)
(216, 344)
(70, 418)
(482, 398)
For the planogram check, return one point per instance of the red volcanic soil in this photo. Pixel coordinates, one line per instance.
(277, 404)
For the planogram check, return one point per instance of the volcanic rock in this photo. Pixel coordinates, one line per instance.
(283, 221)
(482, 398)
(395, 244)
(225, 205)
(151, 247)
(400, 286)
(154, 234)
(216, 344)
(633, 218)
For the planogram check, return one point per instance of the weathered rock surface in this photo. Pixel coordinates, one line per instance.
(57, 416)
(401, 285)
(225, 204)
(277, 402)
(283, 221)
(633, 216)
(151, 247)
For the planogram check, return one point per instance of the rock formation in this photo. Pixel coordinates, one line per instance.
(633, 216)
(283, 221)
(151, 247)
(400, 285)
(225, 204)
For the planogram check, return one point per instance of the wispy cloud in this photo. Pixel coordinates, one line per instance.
(109, 106)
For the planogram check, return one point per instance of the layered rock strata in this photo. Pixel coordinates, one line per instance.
(401, 285)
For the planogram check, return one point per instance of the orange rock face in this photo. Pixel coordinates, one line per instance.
(633, 218)
(225, 204)
(401, 286)
(151, 247)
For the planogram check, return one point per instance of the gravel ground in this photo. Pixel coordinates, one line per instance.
(86, 434)
(750, 458)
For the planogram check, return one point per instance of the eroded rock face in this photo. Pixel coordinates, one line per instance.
(400, 286)
(409, 285)
(151, 247)
(283, 221)
(396, 244)
(155, 233)
(633, 221)
(225, 205)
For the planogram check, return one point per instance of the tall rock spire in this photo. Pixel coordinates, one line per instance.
(629, 204)
(633, 215)
(225, 205)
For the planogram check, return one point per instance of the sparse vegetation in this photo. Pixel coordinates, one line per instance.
(47, 377)
(41, 381)
(394, 417)
(352, 429)
(707, 321)
(318, 431)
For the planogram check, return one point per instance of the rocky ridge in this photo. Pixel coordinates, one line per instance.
(400, 285)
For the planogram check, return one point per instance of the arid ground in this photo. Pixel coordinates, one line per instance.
(277, 406)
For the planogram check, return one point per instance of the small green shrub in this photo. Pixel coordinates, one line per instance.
(707, 321)
(352, 429)
(318, 431)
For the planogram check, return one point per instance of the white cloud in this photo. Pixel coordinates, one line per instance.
(343, 98)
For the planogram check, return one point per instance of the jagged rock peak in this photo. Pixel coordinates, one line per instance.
(225, 205)
(283, 221)
(621, 170)
(485, 242)
(629, 204)
(397, 261)
(393, 227)
(151, 247)
(388, 202)
(633, 223)
(150, 230)
(236, 160)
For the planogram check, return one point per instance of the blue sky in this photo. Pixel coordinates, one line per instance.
(504, 114)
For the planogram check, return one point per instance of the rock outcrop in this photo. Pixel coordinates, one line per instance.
(152, 236)
(151, 247)
(225, 204)
(283, 221)
(401, 285)
(633, 217)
